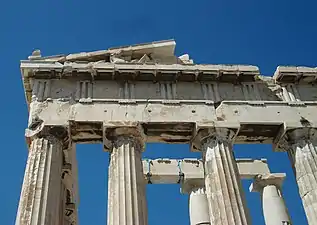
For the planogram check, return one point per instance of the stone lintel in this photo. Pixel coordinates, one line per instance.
(262, 180)
(133, 130)
(292, 133)
(225, 131)
(249, 168)
(169, 122)
(190, 172)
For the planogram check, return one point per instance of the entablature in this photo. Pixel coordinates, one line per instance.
(171, 99)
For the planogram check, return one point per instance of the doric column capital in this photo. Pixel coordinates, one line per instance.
(295, 136)
(192, 185)
(113, 135)
(38, 129)
(263, 180)
(224, 134)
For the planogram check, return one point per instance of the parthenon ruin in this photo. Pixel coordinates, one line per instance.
(127, 96)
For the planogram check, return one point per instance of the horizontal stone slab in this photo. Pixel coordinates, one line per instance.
(175, 121)
(267, 112)
(190, 171)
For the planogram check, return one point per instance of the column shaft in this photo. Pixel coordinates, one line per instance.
(304, 158)
(274, 209)
(223, 187)
(126, 187)
(40, 196)
(198, 207)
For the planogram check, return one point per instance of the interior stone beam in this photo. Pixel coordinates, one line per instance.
(173, 171)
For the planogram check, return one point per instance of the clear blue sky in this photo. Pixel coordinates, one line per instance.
(264, 33)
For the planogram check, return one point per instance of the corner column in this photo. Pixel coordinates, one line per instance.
(223, 187)
(40, 198)
(301, 145)
(274, 208)
(126, 185)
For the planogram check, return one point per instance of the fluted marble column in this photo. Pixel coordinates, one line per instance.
(126, 187)
(303, 155)
(223, 186)
(198, 207)
(40, 196)
(273, 205)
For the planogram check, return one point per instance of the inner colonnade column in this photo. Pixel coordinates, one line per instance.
(194, 186)
(226, 200)
(273, 205)
(126, 183)
(198, 206)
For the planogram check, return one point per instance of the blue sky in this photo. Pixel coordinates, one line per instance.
(264, 33)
